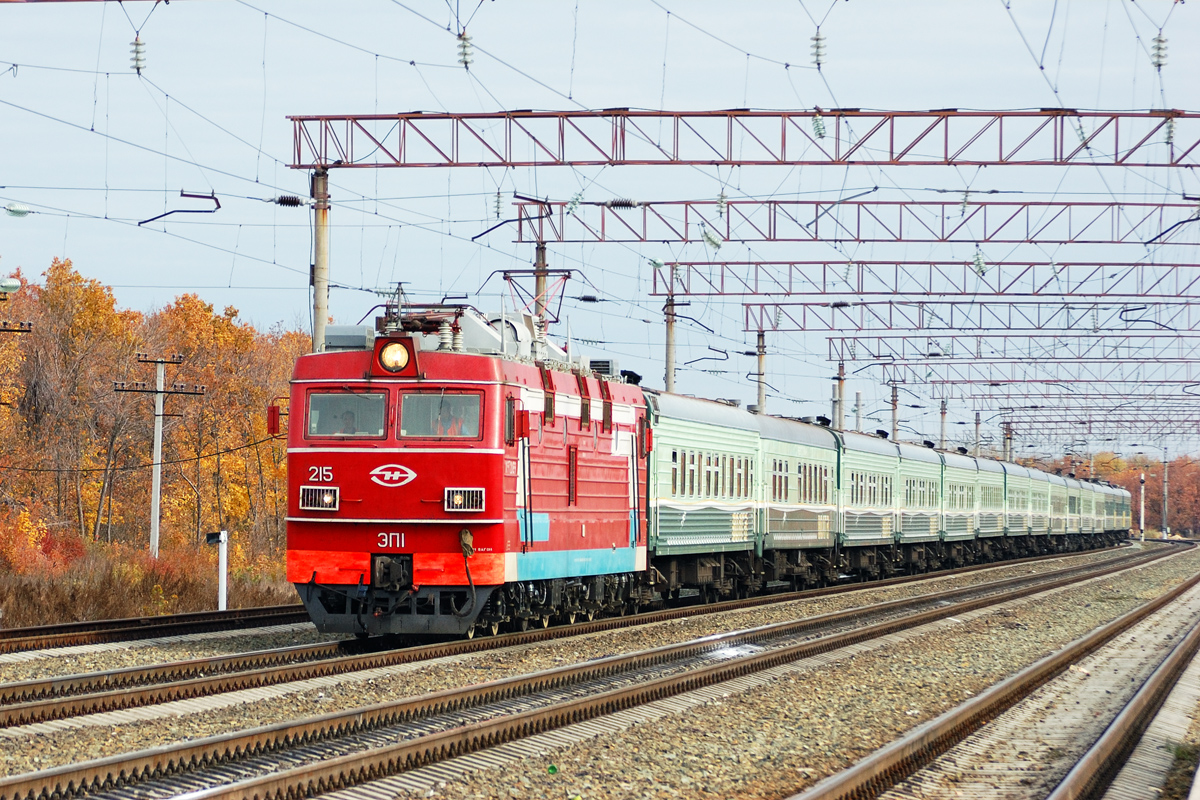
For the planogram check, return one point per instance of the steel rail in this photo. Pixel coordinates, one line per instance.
(46, 699)
(1093, 773)
(68, 634)
(892, 764)
(122, 770)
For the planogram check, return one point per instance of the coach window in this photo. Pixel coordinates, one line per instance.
(441, 415)
(674, 473)
(346, 415)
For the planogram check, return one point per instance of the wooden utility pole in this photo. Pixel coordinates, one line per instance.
(159, 391)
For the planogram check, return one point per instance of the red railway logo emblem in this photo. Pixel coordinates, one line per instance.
(392, 475)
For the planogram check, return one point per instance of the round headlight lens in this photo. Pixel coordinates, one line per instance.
(393, 356)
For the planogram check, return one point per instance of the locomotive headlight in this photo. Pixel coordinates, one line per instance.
(457, 500)
(328, 498)
(393, 357)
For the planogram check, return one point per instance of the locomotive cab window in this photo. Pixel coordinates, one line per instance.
(443, 415)
(347, 414)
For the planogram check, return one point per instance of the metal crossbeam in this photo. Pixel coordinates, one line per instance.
(1099, 428)
(1110, 394)
(994, 315)
(1106, 426)
(741, 137)
(914, 278)
(1136, 374)
(1164, 346)
(1004, 222)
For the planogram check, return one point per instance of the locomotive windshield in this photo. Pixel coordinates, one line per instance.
(345, 414)
(442, 415)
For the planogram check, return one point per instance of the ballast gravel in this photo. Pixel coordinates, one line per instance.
(71, 661)
(792, 733)
(937, 687)
(25, 666)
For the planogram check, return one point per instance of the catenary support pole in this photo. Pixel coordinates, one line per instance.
(895, 413)
(942, 444)
(858, 411)
(320, 274)
(539, 286)
(839, 421)
(978, 436)
(160, 371)
(669, 313)
(762, 372)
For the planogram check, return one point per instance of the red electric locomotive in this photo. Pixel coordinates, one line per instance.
(452, 473)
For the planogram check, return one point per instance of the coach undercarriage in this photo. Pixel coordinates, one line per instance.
(455, 611)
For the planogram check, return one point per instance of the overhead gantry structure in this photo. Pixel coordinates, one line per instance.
(743, 137)
(1118, 315)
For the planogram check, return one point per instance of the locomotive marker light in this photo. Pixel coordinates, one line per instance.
(393, 356)
(221, 540)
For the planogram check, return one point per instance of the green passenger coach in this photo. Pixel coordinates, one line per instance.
(740, 503)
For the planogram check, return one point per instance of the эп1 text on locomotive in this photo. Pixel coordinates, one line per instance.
(454, 473)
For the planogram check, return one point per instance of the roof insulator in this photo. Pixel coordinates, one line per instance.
(980, 265)
(818, 49)
(465, 56)
(138, 48)
(1158, 52)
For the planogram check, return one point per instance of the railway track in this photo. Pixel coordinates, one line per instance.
(46, 699)
(347, 748)
(1019, 738)
(14, 640)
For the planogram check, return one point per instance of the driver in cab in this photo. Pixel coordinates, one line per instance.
(458, 418)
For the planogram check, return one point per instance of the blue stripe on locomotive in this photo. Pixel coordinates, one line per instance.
(572, 563)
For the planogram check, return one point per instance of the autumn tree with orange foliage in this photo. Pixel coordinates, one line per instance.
(75, 455)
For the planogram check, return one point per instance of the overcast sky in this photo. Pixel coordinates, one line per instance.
(92, 148)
